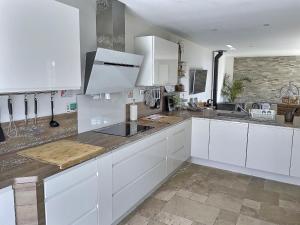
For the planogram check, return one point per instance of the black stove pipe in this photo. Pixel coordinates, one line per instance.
(216, 75)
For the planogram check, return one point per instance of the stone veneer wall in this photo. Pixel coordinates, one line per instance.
(268, 75)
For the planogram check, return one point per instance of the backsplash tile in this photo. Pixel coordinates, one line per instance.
(31, 135)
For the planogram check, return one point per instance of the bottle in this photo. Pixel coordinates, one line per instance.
(133, 111)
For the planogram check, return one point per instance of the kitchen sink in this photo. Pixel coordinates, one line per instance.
(233, 114)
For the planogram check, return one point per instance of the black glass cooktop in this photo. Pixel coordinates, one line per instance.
(124, 129)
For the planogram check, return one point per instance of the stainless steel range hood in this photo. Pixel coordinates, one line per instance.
(110, 69)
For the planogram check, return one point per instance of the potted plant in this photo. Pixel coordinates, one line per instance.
(232, 89)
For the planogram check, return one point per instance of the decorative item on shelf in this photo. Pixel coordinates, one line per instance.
(179, 87)
(182, 69)
(232, 89)
(289, 94)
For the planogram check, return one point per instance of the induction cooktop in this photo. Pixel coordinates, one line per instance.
(124, 129)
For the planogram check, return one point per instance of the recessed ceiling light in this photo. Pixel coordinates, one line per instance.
(266, 25)
(229, 46)
(215, 29)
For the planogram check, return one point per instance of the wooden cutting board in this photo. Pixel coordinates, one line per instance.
(163, 119)
(63, 153)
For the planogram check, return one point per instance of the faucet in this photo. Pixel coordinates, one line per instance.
(238, 106)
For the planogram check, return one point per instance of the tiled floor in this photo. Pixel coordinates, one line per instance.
(198, 195)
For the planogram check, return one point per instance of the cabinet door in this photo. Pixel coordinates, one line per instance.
(295, 162)
(7, 207)
(165, 62)
(200, 138)
(178, 146)
(105, 190)
(228, 142)
(269, 148)
(40, 46)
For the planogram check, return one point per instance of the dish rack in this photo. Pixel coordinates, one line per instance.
(263, 114)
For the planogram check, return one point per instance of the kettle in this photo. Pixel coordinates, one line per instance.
(289, 116)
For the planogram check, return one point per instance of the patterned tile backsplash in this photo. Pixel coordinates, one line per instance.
(268, 75)
(31, 135)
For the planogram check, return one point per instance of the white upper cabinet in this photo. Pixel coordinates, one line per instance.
(269, 148)
(295, 162)
(200, 138)
(160, 64)
(40, 46)
(228, 142)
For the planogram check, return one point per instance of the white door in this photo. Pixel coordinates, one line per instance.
(228, 142)
(269, 148)
(295, 162)
(200, 138)
(7, 207)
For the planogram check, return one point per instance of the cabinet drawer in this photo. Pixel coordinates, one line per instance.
(124, 200)
(69, 178)
(295, 162)
(176, 159)
(90, 219)
(70, 205)
(132, 149)
(131, 168)
(7, 207)
(177, 138)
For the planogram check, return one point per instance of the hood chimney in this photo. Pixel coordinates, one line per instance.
(110, 25)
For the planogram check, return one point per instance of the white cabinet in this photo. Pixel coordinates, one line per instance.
(269, 148)
(160, 64)
(200, 138)
(76, 190)
(178, 145)
(228, 142)
(7, 206)
(40, 46)
(295, 162)
(137, 169)
(105, 190)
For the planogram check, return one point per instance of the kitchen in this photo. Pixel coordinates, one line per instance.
(213, 136)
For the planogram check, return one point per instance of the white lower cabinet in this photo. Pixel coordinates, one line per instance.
(71, 197)
(179, 138)
(137, 169)
(269, 148)
(295, 162)
(228, 142)
(200, 138)
(7, 206)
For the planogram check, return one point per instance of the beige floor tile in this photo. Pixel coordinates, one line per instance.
(279, 215)
(251, 204)
(154, 222)
(192, 210)
(228, 216)
(263, 196)
(190, 195)
(289, 205)
(224, 201)
(151, 207)
(171, 219)
(165, 195)
(246, 220)
(249, 212)
(137, 220)
(282, 188)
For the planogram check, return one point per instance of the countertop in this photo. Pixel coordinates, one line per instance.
(14, 167)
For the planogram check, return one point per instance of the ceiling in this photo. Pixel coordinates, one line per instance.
(250, 26)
